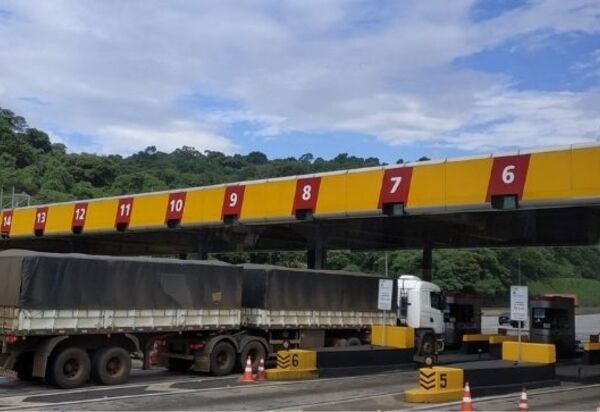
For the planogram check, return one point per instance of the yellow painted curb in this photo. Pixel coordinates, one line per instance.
(588, 346)
(278, 374)
(419, 395)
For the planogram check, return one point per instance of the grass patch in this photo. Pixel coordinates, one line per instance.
(587, 290)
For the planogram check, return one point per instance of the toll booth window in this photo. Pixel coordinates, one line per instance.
(436, 300)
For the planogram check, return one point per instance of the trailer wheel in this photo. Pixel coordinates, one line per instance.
(353, 341)
(179, 365)
(69, 368)
(222, 359)
(24, 366)
(255, 350)
(111, 366)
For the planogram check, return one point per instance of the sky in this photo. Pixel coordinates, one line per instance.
(389, 79)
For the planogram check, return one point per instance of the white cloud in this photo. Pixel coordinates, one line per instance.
(530, 119)
(123, 139)
(116, 71)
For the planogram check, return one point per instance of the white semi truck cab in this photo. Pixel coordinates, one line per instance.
(420, 306)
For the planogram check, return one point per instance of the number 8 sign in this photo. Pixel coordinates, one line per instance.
(307, 193)
(508, 176)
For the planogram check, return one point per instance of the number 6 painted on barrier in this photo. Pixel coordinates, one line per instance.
(508, 174)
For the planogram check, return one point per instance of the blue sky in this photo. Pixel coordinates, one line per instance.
(389, 79)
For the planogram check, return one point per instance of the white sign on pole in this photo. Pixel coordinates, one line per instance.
(519, 297)
(386, 291)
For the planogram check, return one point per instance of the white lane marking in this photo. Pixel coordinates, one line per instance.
(109, 388)
(41, 405)
(540, 391)
(174, 391)
(339, 402)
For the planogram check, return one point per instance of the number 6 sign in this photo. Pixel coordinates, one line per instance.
(508, 176)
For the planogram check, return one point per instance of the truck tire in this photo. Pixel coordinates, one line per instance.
(24, 366)
(255, 350)
(427, 346)
(179, 365)
(69, 368)
(353, 341)
(222, 359)
(111, 366)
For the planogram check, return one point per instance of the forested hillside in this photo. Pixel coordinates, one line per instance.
(49, 173)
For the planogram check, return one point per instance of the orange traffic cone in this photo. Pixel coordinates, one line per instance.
(247, 376)
(523, 402)
(261, 375)
(598, 407)
(466, 405)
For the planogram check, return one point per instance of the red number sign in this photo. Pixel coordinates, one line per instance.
(124, 210)
(307, 193)
(508, 176)
(232, 203)
(175, 206)
(395, 185)
(79, 216)
(7, 217)
(41, 217)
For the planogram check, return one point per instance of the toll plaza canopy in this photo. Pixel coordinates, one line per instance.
(538, 197)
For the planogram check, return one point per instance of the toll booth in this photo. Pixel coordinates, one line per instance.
(553, 321)
(462, 315)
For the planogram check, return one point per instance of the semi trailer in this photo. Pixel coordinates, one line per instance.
(66, 318)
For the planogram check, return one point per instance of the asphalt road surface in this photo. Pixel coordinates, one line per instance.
(159, 389)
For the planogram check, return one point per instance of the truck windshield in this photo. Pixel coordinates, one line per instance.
(436, 300)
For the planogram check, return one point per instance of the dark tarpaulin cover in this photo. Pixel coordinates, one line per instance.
(33, 280)
(279, 288)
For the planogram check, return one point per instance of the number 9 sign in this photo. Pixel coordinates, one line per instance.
(508, 176)
(233, 200)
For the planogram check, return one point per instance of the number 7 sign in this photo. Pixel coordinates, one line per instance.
(395, 185)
